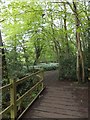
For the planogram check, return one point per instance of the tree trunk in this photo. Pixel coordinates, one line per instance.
(26, 59)
(88, 37)
(65, 28)
(38, 49)
(0, 60)
(3, 63)
(80, 59)
(25, 55)
(0, 72)
(36, 58)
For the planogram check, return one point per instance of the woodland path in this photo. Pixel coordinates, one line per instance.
(60, 99)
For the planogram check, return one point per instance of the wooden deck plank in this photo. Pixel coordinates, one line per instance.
(75, 108)
(63, 108)
(60, 111)
(60, 102)
(44, 114)
(59, 98)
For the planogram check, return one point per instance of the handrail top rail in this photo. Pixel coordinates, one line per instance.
(20, 80)
(24, 78)
(5, 87)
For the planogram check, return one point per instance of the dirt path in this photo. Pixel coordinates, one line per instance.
(60, 99)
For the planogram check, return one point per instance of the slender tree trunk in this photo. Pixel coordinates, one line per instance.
(88, 35)
(80, 59)
(38, 49)
(0, 59)
(36, 58)
(3, 63)
(25, 55)
(26, 59)
(0, 72)
(65, 28)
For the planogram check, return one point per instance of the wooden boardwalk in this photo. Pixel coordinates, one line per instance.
(60, 99)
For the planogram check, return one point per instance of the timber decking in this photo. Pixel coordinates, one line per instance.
(59, 100)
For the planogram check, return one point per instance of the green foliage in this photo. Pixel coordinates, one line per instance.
(33, 28)
(67, 68)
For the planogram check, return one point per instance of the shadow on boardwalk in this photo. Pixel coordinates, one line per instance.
(60, 99)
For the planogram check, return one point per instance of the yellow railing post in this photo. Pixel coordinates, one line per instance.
(13, 99)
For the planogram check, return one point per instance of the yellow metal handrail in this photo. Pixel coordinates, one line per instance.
(13, 96)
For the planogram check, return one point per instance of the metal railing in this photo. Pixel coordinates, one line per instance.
(12, 108)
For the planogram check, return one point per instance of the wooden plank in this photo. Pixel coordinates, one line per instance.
(45, 114)
(60, 111)
(35, 116)
(58, 98)
(64, 88)
(72, 97)
(51, 95)
(62, 106)
(61, 95)
(60, 92)
(67, 89)
(59, 102)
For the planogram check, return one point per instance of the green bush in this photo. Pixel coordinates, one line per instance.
(68, 68)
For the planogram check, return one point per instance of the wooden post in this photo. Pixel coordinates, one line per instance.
(13, 99)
